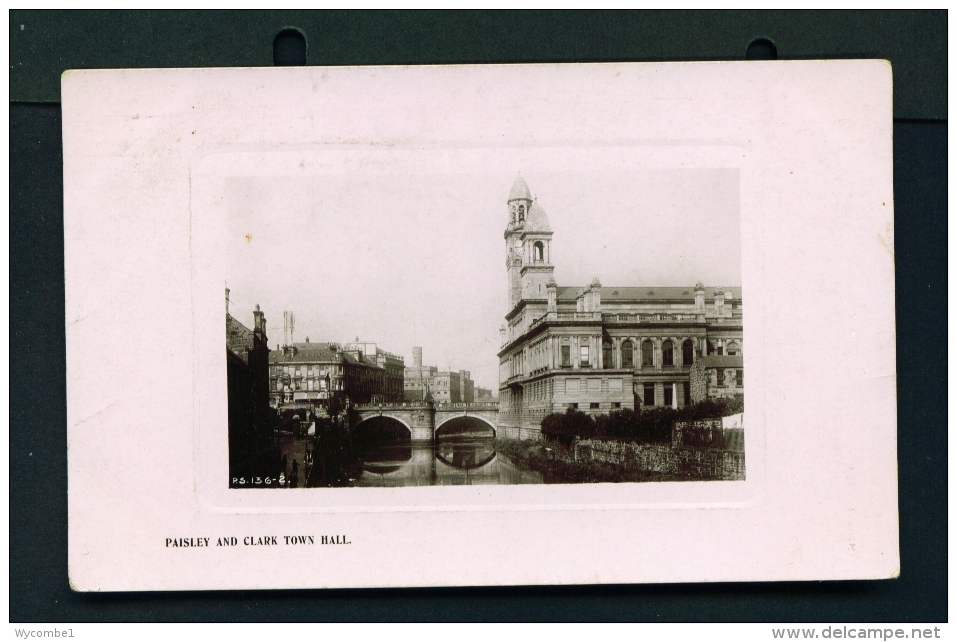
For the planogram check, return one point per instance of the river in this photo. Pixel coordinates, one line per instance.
(450, 461)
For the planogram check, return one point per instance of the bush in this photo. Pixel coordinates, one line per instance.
(733, 406)
(647, 426)
(563, 428)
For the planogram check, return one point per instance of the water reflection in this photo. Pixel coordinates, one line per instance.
(449, 462)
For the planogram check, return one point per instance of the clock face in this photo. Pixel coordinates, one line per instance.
(518, 247)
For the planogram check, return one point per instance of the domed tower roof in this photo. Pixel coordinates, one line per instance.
(519, 190)
(537, 220)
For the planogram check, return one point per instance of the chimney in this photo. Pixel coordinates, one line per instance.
(552, 288)
(259, 321)
(595, 295)
(718, 302)
(416, 356)
(699, 298)
(227, 300)
(288, 326)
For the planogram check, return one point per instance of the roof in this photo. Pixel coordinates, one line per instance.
(239, 338)
(646, 293)
(305, 352)
(350, 357)
(721, 361)
(519, 190)
(537, 220)
(313, 352)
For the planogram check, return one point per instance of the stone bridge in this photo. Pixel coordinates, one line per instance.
(425, 419)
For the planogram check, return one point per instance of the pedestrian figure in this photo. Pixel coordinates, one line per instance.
(295, 467)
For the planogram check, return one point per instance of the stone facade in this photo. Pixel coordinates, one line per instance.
(598, 348)
(717, 377)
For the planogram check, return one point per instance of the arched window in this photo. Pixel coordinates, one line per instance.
(627, 355)
(732, 349)
(667, 353)
(521, 213)
(687, 352)
(539, 252)
(606, 358)
(647, 353)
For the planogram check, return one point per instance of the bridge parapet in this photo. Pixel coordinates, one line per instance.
(481, 405)
(404, 404)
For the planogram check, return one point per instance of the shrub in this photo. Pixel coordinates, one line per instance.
(733, 406)
(563, 428)
(652, 425)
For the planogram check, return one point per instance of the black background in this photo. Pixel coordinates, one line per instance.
(50, 42)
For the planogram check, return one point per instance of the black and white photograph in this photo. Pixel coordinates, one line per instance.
(479, 313)
(409, 328)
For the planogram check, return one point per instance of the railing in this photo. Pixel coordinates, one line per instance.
(576, 316)
(478, 405)
(514, 378)
(707, 433)
(736, 320)
(402, 404)
(628, 318)
(622, 318)
(649, 318)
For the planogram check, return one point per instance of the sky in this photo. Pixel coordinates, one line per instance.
(406, 258)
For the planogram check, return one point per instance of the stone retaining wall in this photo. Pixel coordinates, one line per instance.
(517, 432)
(663, 458)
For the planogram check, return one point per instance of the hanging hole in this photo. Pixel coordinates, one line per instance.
(761, 49)
(289, 48)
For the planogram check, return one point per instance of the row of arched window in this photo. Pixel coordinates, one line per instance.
(667, 353)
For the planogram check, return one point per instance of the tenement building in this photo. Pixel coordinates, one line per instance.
(252, 451)
(307, 374)
(597, 348)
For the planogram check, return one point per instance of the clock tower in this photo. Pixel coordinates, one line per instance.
(527, 247)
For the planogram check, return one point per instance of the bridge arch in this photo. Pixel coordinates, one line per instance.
(382, 428)
(371, 416)
(462, 415)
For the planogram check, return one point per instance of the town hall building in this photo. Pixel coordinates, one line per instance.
(599, 348)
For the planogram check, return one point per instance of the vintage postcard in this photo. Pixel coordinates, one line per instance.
(482, 325)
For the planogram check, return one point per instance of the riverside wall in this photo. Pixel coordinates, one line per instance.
(696, 463)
